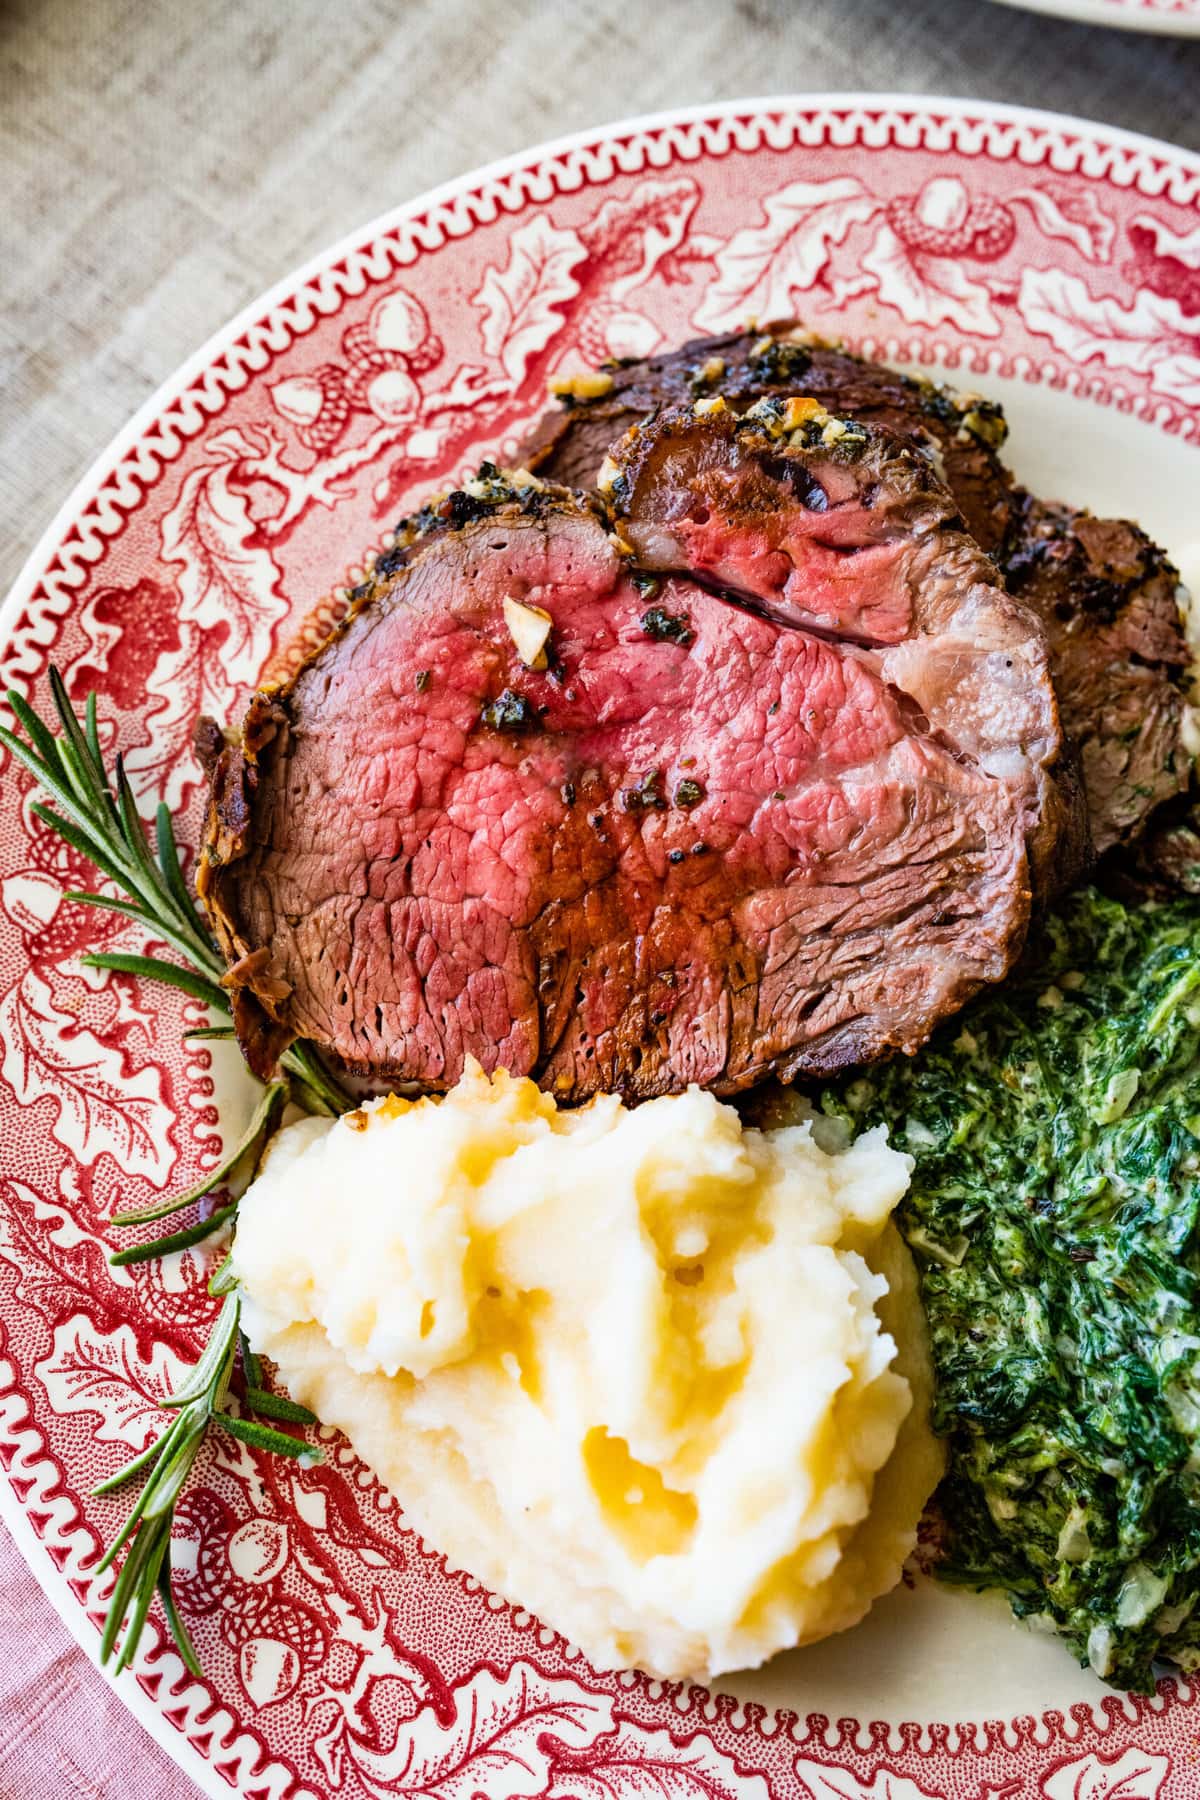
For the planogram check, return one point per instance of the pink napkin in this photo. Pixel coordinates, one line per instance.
(64, 1734)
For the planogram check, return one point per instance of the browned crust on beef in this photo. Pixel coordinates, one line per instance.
(257, 998)
(905, 928)
(1107, 597)
(569, 443)
(1058, 559)
(1166, 862)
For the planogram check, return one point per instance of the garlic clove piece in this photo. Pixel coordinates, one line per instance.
(529, 627)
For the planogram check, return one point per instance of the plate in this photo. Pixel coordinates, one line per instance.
(1057, 264)
(1169, 18)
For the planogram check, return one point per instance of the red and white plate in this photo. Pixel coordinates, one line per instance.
(1054, 263)
(1169, 18)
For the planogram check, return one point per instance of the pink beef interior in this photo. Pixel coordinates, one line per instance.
(703, 845)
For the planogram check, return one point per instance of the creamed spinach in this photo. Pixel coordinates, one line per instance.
(1055, 1127)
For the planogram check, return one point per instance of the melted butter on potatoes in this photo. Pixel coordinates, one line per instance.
(636, 1370)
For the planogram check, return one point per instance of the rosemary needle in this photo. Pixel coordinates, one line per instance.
(176, 1240)
(263, 1438)
(251, 1367)
(262, 1123)
(95, 812)
(276, 1406)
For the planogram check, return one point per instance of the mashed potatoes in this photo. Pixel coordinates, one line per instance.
(632, 1369)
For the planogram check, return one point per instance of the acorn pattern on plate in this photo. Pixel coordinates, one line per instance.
(343, 1657)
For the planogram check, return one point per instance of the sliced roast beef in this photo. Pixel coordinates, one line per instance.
(1107, 597)
(1166, 862)
(1103, 591)
(962, 434)
(699, 844)
(736, 501)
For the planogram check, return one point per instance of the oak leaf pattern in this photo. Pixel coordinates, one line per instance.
(928, 290)
(641, 1764)
(1073, 214)
(827, 1781)
(229, 605)
(764, 268)
(104, 1374)
(103, 1106)
(1183, 247)
(59, 1268)
(503, 1733)
(522, 302)
(1152, 337)
(227, 578)
(1134, 1775)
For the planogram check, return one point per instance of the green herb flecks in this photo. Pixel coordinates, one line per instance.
(198, 1403)
(1053, 1213)
(509, 712)
(97, 815)
(646, 795)
(667, 628)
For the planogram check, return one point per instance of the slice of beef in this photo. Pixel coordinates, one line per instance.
(700, 845)
(961, 433)
(1107, 597)
(442, 513)
(1103, 591)
(778, 506)
(1166, 862)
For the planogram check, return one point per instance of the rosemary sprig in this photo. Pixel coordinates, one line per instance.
(175, 1240)
(99, 818)
(198, 1403)
(97, 815)
(262, 1123)
(169, 1463)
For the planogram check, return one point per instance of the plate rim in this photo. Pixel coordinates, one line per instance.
(34, 1550)
(1113, 17)
(851, 99)
(72, 1614)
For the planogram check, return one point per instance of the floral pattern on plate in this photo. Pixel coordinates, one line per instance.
(342, 1656)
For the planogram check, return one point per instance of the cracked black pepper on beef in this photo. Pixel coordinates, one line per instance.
(710, 841)
(1106, 595)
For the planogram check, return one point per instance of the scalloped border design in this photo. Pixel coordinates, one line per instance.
(231, 1757)
(248, 346)
(1163, 18)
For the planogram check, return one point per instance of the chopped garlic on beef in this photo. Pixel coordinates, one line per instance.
(592, 385)
(606, 475)
(529, 627)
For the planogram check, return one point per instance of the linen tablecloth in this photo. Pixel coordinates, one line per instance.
(64, 1732)
(160, 166)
